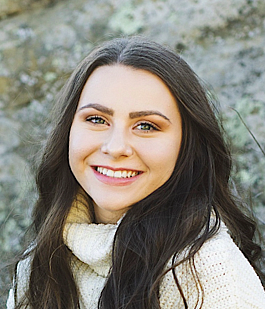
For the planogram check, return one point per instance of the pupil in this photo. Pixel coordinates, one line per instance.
(98, 120)
(146, 127)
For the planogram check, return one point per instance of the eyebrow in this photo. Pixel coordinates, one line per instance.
(98, 107)
(132, 115)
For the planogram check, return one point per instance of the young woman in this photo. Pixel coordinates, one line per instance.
(135, 209)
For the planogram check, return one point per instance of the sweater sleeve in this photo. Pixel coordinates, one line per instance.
(227, 279)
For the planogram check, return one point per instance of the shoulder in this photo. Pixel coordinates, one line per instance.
(20, 282)
(23, 273)
(11, 300)
(226, 273)
(227, 278)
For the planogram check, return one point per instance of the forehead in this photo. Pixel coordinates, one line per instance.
(119, 86)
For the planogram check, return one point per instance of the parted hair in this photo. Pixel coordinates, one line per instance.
(156, 229)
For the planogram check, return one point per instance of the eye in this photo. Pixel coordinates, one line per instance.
(96, 120)
(146, 127)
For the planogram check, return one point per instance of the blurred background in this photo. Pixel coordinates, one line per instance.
(42, 41)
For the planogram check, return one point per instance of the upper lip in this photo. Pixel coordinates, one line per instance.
(116, 168)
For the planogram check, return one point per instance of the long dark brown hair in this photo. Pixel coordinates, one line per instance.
(156, 229)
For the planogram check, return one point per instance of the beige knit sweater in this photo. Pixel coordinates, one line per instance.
(228, 280)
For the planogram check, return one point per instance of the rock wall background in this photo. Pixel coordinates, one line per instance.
(42, 41)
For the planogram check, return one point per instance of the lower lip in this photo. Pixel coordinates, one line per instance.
(115, 181)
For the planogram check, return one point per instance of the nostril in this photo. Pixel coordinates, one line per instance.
(104, 148)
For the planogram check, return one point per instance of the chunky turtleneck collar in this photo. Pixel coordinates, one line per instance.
(91, 243)
(219, 263)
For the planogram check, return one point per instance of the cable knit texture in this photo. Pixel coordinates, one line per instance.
(227, 278)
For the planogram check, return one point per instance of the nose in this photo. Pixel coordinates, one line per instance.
(117, 144)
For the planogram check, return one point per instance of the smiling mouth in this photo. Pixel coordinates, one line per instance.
(116, 174)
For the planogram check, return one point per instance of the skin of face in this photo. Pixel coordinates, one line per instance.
(124, 139)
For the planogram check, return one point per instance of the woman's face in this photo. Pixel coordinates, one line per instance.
(125, 138)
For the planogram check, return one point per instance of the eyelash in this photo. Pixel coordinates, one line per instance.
(94, 119)
(152, 127)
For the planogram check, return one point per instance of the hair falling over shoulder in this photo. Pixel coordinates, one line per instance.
(174, 217)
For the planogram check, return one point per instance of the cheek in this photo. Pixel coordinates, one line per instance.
(161, 158)
(72, 153)
(77, 148)
(81, 145)
(168, 159)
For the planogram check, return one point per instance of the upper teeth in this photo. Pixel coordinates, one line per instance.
(116, 174)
